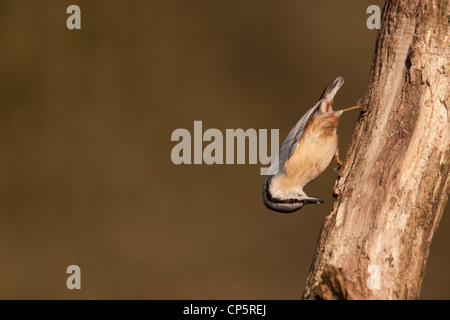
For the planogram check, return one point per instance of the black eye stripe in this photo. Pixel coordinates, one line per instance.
(276, 200)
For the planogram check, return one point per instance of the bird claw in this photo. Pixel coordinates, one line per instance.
(338, 161)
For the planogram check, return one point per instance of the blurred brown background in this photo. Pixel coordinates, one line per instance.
(86, 118)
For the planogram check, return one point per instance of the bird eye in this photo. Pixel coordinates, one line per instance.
(291, 201)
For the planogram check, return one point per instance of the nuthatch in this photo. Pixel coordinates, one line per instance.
(304, 155)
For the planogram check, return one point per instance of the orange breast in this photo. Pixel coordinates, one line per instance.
(314, 152)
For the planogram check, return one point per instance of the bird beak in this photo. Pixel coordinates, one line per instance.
(312, 200)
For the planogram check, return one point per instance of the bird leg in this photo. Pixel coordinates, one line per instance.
(338, 161)
(357, 107)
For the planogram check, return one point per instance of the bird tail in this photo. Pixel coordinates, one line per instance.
(326, 101)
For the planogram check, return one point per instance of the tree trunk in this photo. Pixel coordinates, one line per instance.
(392, 190)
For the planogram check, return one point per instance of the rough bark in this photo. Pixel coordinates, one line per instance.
(393, 187)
